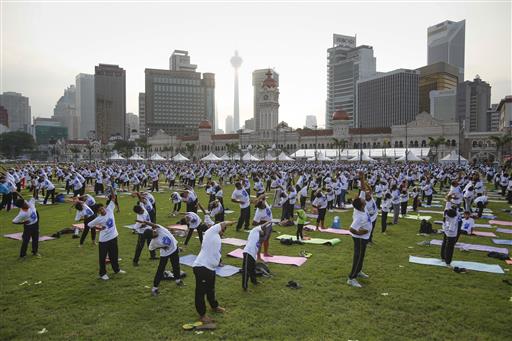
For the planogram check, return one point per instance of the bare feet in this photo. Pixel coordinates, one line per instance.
(267, 255)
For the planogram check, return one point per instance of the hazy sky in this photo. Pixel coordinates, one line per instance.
(46, 44)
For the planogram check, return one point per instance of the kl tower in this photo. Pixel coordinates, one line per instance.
(236, 62)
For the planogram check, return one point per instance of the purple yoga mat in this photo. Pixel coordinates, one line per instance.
(503, 230)
(17, 236)
(297, 261)
(234, 241)
(474, 247)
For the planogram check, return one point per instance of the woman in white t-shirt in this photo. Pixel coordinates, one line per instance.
(360, 230)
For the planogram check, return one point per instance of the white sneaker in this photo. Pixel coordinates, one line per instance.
(104, 277)
(354, 283)
(122, 272)
(362, 275)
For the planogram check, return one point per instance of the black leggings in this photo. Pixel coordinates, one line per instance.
(384, 221)
(200, 229)
(86, 230)
(175, 263)
(245, 215)
(447, 248)
(299, 231)
(248, 270)
(205, 286)
(358, 259)
(30, 231)
(140, 245)
(108, 248)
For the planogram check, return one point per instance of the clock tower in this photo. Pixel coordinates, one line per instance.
(267, 115)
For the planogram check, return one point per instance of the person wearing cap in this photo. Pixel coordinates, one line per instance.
(163, 240)
(250, 254)
(204, 270)
(360, 230)
(29, 218)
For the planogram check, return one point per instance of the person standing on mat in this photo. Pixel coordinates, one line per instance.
(263, 214)
(360, 230)
(142, 214)
(320, 203)
(87, 214)
(106, 224)
(29, 218)
(241, 197)
(450, 231)
(301, 220)
(386, 206)
(50, 189)
(251, 251)
(204, 270)
(162, 239)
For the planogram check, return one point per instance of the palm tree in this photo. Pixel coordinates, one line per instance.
(143, 143)
(339, 144)
(75, 151)
(232, 149)
(436, 142)
(191, 148)
(265, 151)
(90, 147)
(500, 142)
(105, 150)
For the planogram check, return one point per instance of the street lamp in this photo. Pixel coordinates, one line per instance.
(316, 139)
(460, 139)
(406, 144)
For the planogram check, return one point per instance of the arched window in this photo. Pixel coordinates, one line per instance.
(415, 143)
(474, 144)
(356, 145)
(396, 144)
(401, 144)
(454, 143)
(423, 143)
(480, 144)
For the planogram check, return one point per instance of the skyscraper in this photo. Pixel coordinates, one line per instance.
(18, 109)
(65, 112)
(142, 114)
(388, 99)
(132, 124)
(437, 76)
(258, 76)
(110, 99)
(85, 104)
(443, 104)
(446, 43)
(176, 101)
(236, 62)
(346, 64)
(473, 100)
(310, 121)
(229, 124)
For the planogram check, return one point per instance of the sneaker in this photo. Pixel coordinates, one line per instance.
(219, 310)
(180, 283)
(362, 275)
(122, 272)
(37, 255)
(104, 277)
(154, 292)
(354, 283)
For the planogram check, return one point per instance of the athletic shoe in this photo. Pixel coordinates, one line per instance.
(354, 283)
(37, 255)
(122, 272)
(180, 283)
(362, 275)
(104, 277)
(154, 292)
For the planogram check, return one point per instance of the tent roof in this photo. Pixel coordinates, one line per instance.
(410, 157)
(250, 157)
(116, 156)
(211, 157)
(135, 157)
(179, 157)
(453, 157)
(284, 157)
(156, 157)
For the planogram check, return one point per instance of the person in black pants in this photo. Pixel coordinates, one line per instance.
(241, 197)
(88, 214)
(142, 237)
(29, 218)
(360, 229)
(450, 231)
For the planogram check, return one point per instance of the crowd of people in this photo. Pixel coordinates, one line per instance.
(290, 188)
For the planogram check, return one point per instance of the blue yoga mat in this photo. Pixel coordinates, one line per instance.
(222, 271)
(502, 241)
(492, 268)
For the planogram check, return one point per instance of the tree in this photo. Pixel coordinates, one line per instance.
(143, 143)
(105, 151)
(75, 151)
(90, 147)
(436, 142)
(124, 147)
(232, 149)
(500, 142)
(339, 144)
(191, 148)
(15, 143)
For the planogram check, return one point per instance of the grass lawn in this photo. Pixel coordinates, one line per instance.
(421, 302)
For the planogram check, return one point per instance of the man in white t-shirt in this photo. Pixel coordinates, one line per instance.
(251, 253)
(106, 224)
(204, 270)
(29, 218)
(241, 197)
(142, 215)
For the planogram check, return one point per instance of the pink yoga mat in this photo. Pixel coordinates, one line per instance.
(79, 226)
(297, 261)
(17, 236)
(178, 227)
(503, 230)
(483, 234)
(234, 241)
(500, 222)
(509, 261)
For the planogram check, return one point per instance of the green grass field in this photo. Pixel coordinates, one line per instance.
(422, 302)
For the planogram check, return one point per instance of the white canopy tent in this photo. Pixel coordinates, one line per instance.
(269, 157)
(374, 153)
(156, 157)
(249, 157)
(411, 157)
(116, 157)
(361, 157)
(211, 157)
(453, 157)
(319, 157)
(135, 157)
(179, 158)
(284, 157)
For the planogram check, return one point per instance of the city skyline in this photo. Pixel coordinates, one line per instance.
(211, 40)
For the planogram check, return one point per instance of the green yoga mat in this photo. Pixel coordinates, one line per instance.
(416, 217)
(316, 241)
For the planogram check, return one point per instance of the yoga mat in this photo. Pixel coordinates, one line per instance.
(178, 227)
(508, 261)
(502, 241)
(416, 217)
(429, 211)
(329, 230)
(17, 236)
(315, 241)
(310, 215)
(483, 234)
(297, 261)
(234, 241)
(497, 201)
(131, 227)
(487, 226)
(501, 222)
(221, 271)
(79, 226)
(473, 247)
(492, 268)
(488, 216)
(503, 230)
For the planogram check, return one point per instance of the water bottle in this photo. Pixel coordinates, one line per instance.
(336, 223)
